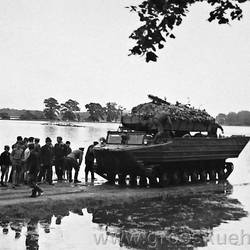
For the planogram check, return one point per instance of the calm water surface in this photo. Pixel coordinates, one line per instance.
(211, 220)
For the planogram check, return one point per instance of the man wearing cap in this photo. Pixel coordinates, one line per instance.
(73, 160)
(89, 162)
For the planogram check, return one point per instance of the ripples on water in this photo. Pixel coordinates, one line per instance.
(200, 220)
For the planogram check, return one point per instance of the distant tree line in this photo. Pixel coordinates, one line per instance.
(66, 111)
(241, 118)
(70, 111)
(7, 114)
(111, 112)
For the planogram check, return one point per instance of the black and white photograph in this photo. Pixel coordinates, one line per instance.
(124, 124)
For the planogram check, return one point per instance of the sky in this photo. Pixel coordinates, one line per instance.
(79, 49)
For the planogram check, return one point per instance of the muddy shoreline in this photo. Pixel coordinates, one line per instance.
(18, 204)
(177, 216)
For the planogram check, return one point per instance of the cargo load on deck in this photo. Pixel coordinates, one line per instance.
(162, 115)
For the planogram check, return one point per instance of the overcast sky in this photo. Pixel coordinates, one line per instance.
(79, 49)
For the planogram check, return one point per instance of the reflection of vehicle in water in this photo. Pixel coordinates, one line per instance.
(170, 220)
(167, 144)
(169, 223)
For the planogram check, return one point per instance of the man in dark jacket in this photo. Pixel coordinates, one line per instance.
(33, 168)
(89, 162)
(60, 153)
(73, 161)
(5, 164)
(46, 158)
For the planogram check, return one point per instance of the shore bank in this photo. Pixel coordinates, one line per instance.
(17, 203)
(176, 217)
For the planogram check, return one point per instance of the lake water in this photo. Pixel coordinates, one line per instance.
(78, 136)
(210, 220)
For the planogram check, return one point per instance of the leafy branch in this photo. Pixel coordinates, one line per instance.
(159, 17)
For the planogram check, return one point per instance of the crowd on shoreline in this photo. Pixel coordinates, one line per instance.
(31, 163)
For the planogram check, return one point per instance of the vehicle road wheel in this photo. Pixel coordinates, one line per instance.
(194, 177)
(212, 175)
(122, 180)
(176, 177)
(221, 174)
(164, 180)
(153, 181)
(185, 177)
(203, 176)
(229, 167)
(143, 181)
(132, 180)
(111, 177)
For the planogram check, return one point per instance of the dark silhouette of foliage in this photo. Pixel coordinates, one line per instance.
(78, 117)
(29, 116)
(241, 118)
(96, 111)
(4, 116)
(221, 118)
(52, 108)
(159, 17)
(68, 110)
(112, 112)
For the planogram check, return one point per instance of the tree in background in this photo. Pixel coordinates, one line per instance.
(29, 116)
(4, 116)
(231, 118)
(78, 117)
(52, 108)
(221, 118)
(242, 118)
(112, 112)
(121, 110)
(69, 109)
(159, 17)
(96, 111)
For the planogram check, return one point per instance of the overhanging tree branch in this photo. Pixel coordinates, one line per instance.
(159, 17)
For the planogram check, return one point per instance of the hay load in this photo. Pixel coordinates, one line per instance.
(162, 115)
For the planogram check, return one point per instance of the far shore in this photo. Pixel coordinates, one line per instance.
(95, 122)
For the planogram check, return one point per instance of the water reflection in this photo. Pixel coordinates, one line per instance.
(159, 223)
(50, 130)
(169, 223)
(32, 235)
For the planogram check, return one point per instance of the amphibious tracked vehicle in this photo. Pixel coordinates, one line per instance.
(161, 144)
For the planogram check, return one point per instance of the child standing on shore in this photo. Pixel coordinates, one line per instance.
(5, 163)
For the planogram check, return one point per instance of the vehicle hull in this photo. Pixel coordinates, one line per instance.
(178, 153)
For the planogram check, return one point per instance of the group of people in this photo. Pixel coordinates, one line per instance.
(32, 163)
